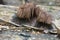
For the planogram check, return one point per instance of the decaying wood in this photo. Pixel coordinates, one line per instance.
(16, 24)
(23, 26)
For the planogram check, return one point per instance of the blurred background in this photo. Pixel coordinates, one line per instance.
(42, 2)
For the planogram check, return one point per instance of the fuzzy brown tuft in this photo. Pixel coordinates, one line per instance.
(43, 16)
(26, 10)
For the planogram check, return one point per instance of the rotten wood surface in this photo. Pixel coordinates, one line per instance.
(21, 32)
(7, 12)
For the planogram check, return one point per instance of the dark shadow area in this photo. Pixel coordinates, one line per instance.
(58, 36)
(1, 2)
(32, 22)
(43, 25)
(21, 21)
